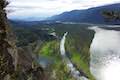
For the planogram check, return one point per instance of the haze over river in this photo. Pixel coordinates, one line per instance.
(105, 54)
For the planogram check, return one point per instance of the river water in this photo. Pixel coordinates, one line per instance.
(105, 54)
(74, 72)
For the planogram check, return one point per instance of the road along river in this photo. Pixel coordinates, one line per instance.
(73, 71)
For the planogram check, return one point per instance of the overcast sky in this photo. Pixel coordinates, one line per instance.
(45, 8)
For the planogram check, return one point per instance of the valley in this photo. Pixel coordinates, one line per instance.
(45, 41)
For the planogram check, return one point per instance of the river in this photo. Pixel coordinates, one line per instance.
(72, 69)
(105, 54)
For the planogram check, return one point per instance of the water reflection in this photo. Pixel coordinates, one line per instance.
(105, 52)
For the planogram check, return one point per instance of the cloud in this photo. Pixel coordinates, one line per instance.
(52, 7)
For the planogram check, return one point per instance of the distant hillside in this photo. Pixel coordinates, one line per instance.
(19, 23)
(92, 15)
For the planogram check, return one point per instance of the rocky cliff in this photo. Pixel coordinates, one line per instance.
(15, 63)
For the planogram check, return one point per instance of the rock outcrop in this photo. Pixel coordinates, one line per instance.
(15, 63)
(6, 49)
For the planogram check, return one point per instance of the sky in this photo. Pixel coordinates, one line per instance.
(44, 8)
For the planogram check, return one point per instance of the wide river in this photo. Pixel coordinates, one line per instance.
(105, 54)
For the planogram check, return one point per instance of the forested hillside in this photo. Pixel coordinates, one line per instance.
(47, 39)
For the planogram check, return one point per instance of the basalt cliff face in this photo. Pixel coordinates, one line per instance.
(15, 63)
(6, 46)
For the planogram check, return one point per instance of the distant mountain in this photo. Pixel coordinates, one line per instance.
(19, 23)
(22, 23)
(28, 17)
(92, 15)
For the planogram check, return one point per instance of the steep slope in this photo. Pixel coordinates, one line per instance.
(15, 63)
(6, 45)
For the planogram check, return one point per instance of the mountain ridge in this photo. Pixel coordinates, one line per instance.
(92, 15)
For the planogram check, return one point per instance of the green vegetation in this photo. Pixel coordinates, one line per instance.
(80, 59)
(58, 68)
(77, 46)
(50, 48)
